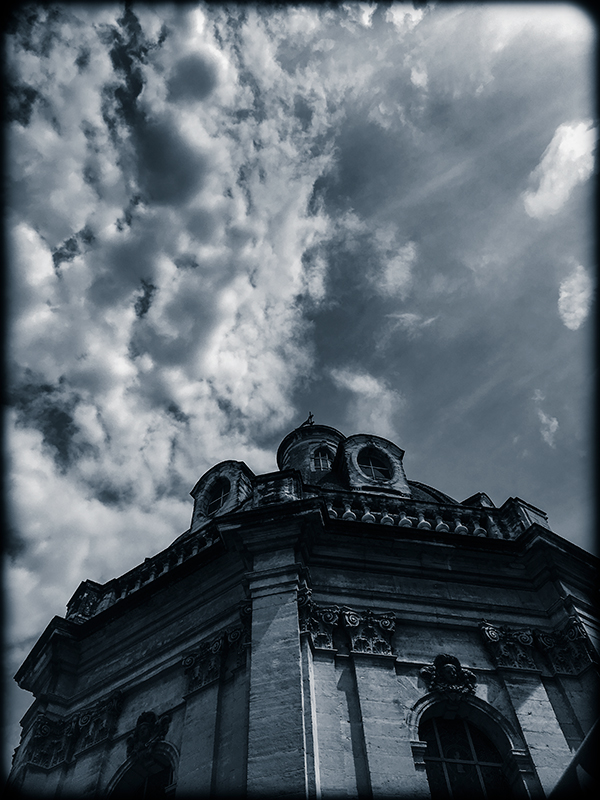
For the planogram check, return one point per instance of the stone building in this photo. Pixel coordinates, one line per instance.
(330, 630)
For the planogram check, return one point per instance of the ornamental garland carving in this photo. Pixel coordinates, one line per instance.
(56, 740)
(203, 666)
(566, 652)
(368, 632)
(447, 676)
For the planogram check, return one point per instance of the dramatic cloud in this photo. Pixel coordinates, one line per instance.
(374, 406)
(394, 275)
(567, 161)
(222, 217)
(575, 297)
(404, 15)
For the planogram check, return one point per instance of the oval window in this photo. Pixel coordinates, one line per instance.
(217, 496)
(374, 464)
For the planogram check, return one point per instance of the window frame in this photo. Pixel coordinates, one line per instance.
(373, 471)
(322, 453)
(520, 770)
(485, 787)
(214, 497)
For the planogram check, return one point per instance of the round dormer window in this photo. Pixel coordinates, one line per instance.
(374, 464)
(217, 496)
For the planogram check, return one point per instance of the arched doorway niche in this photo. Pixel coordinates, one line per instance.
(150, 778)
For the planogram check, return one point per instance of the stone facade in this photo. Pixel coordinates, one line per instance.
(310, 634)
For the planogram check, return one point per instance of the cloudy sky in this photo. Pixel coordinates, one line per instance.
(222, 218)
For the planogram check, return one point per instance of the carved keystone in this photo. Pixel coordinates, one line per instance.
(148, 732)
(447, 676)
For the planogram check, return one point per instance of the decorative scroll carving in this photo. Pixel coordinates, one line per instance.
(243, 643)
(98, 722)
(148, 732)
(369, 632)
(56, 740)
(447, 676)
(569, 650)
(317, 622)
(510, 648)
(84, 602)
(50, 742)
(206, 664)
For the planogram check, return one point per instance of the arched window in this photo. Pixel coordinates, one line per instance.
(374, 464)
(148, 781)
(322, 459)
(461, 761)
(217, 496)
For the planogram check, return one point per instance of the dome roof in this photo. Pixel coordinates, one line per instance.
(420, 491)
(307, 433)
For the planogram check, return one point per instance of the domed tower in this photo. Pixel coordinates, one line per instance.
(311, 449)
(329, 629)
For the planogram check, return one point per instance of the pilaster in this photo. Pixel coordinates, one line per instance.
(516, 657)
(276, 738)
(547, 745)
(198, 742)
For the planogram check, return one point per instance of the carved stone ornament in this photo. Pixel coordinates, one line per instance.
(84, 602)
(316, 621)
(203, 666)
(276, 490)
(50, 741)
(447, 676)
(56, 740)
(568, 651)
(148, 732)
(369, 632)
(99, 722)
(510, 648)
(206, 663)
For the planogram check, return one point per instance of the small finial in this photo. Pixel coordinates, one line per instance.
(309, 421)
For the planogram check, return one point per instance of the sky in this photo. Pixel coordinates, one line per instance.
(222, 217)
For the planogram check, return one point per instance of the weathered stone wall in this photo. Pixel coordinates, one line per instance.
(302, 660)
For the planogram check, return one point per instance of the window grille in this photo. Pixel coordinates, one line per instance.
(218, 496)
(373, 464)
(461, 761)
(322, 459)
